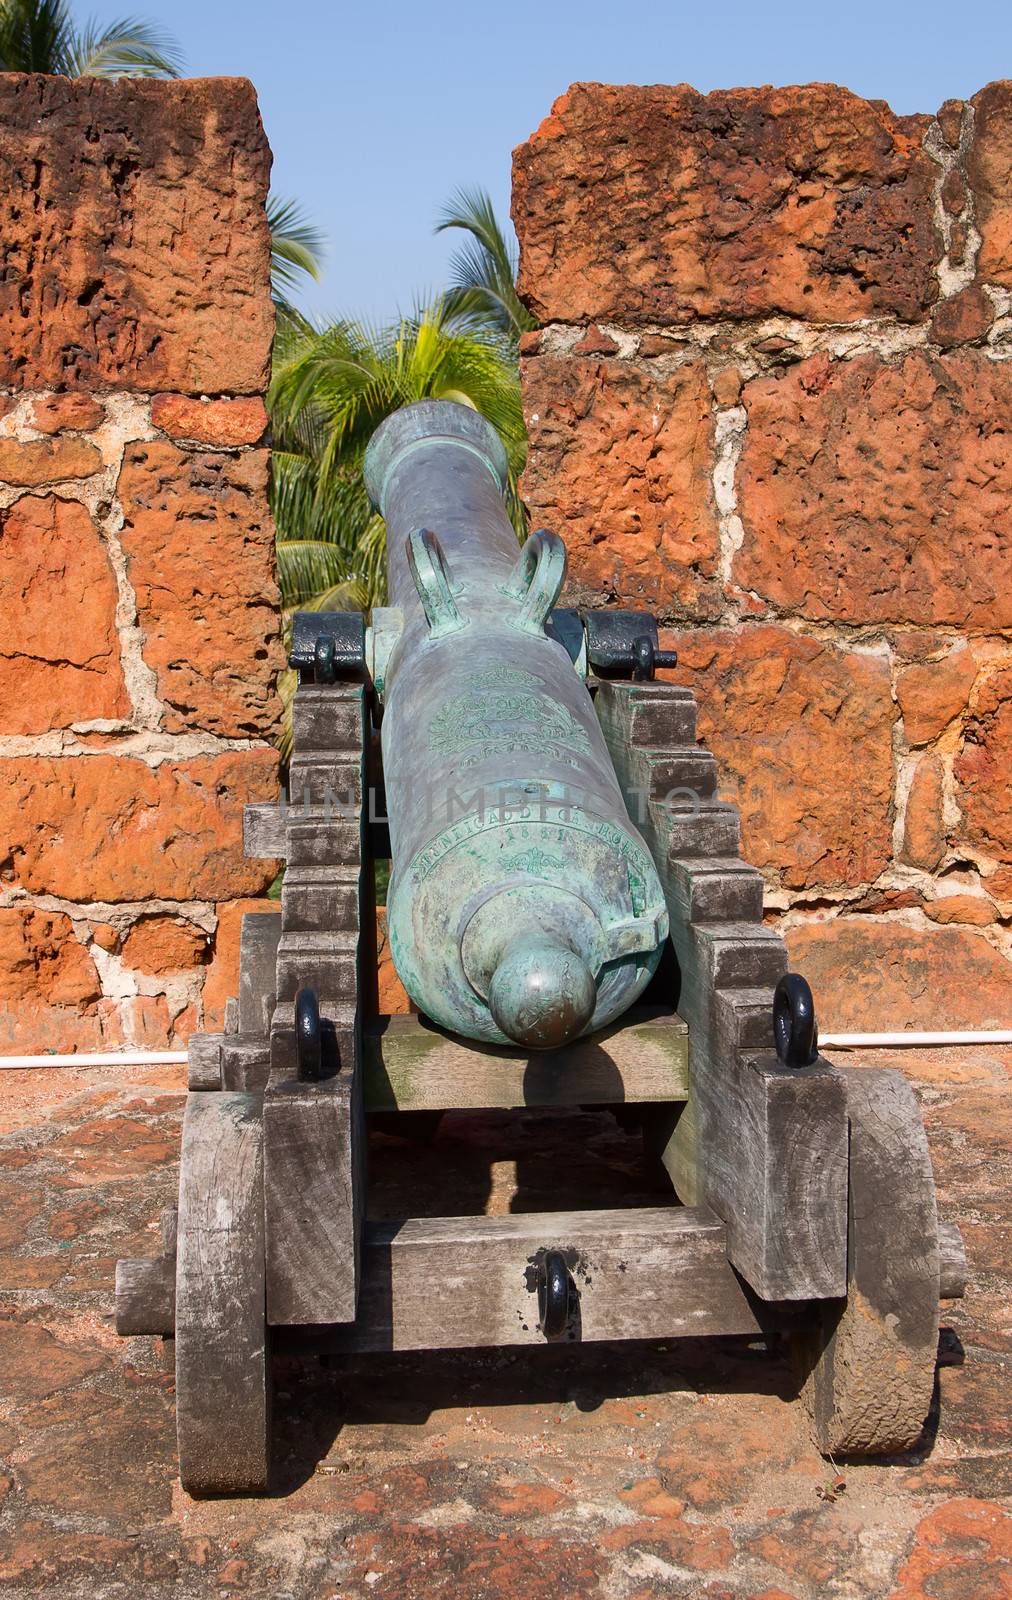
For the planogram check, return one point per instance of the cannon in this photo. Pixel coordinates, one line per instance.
(570, 915)
(523, 906)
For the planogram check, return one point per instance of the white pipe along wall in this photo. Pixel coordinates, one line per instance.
(829, 1041)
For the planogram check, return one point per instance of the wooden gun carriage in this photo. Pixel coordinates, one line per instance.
(806, 1197)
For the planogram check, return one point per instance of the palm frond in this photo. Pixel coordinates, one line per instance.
(35, 36)
(483, 271)
(129, 47)
(288, 682)
(472, 210)
(297, 247)
(352, 377)
(311, 567)
(349, 595)
(294, 482)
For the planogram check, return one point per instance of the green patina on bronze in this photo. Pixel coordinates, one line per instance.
(522, 905)
(556, 827)
(503, 711)
(535, 861)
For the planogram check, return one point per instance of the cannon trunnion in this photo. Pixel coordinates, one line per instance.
(531, 935)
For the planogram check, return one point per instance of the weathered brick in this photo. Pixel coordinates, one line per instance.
(984, 792)
(393, 997)
(989, 169)
(959, 238)
(802, 735)
(727, 385)
(70, 1472)
(953, 193)
(923, 830)
(595, 342)
(72, 413)
(111, 828)
(160, 944)
(146, 1021)
(950, 121)
(199, 542)
(467, 1562)
(714, 1460)
(30, 1025)
(879, 900)
(900, 977)
(18, 1210)
(963, 318)
(975, 909)
(999, 883)
(135, 242)
(222, 979)
(226, 423)
(40, 1364)
(30, 462)
(879, 493)
(651, 345)
(963, 1547)
(41, 1556)
(620, 462)
(59, 650)
(804, 1550)
(930, 694)
(661, 204)
(41, 958)
(183, 1025)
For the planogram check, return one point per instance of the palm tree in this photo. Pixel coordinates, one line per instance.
(483, 271)
(332, 388)
(42, 36)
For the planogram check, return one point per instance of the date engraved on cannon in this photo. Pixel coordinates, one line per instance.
(554, 824)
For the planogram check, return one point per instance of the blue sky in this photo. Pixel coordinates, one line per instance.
(376, 112)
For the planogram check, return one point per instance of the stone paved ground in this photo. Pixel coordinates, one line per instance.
(626, 1472)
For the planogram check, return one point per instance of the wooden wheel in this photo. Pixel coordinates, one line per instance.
(222, 1356)
(869, 1361)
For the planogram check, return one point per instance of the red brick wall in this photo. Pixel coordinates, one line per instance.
(140, 638)
(771, 399)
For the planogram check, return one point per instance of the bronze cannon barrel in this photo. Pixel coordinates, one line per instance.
(523, 906)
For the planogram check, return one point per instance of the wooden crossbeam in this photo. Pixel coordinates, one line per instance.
(432, 1283)
(410, 1065)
